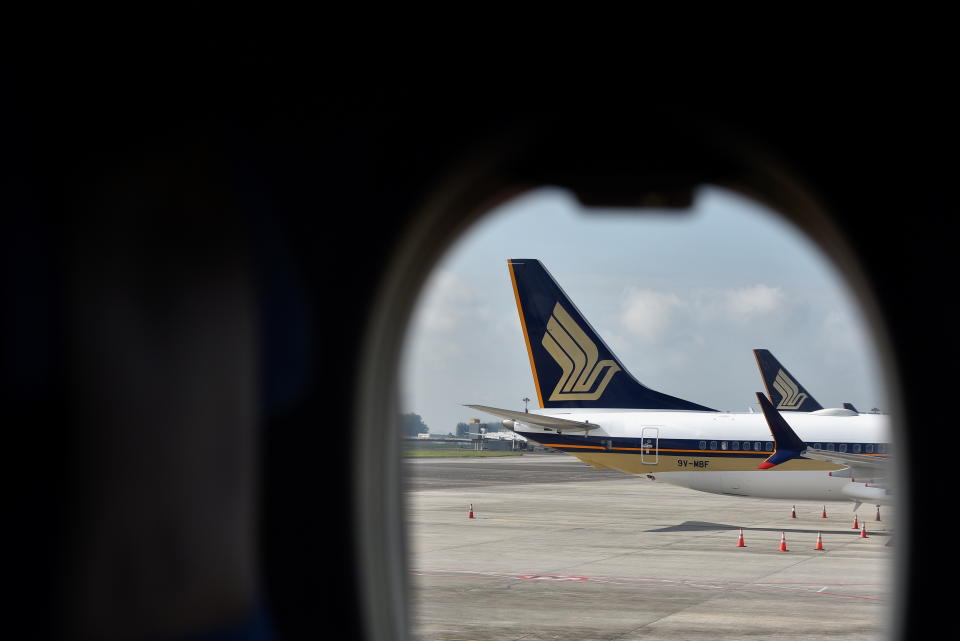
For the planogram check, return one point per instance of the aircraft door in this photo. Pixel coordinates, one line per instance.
(650, 445)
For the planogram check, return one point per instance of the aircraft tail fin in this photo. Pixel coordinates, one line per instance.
(785, 392)
(849, 406)
(572, 366)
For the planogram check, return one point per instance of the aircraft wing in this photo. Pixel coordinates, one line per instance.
(548, 422)
(788, 445)
(858, 465)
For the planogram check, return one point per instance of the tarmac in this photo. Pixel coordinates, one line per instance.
(558, 551)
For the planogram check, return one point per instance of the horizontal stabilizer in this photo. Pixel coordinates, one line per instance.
(548, 422)
(834, 411)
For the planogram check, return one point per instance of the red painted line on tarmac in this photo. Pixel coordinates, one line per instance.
(696, 584)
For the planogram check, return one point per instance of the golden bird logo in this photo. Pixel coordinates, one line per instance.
(577, 356)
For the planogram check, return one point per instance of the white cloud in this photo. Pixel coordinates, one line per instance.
(614, 340)
(839, 338)
(748, 302)
(446, 302)
(438, 355)
(647, 313)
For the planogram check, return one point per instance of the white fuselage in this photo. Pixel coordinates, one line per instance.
(719, 452)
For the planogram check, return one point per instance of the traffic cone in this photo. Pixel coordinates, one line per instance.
(740, 543)
(819, 542)
(863, 531)
(470, 515)
(793, 512)
(783, 543)
(856, 525)
(878, 514)
(823, 515)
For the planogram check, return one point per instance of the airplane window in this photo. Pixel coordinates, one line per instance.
(677, 304)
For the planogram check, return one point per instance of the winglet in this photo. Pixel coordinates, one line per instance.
(786, 444)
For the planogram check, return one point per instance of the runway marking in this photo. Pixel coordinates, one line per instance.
(696, 584)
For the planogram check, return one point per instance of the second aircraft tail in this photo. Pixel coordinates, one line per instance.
(784, 391)
(572, 366)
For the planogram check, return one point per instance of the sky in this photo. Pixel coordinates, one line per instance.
(681, 300)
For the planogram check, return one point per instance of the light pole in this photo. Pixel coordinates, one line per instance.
(525, 401)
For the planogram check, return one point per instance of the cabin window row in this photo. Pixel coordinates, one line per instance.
(756, 446)
(767, 446)
(853, 448)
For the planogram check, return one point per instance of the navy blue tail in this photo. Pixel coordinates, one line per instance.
(785, 392)
(572, 366)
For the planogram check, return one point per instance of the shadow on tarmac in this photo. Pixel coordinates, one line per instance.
(702, 526)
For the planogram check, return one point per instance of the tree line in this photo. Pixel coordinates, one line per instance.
(412, 424)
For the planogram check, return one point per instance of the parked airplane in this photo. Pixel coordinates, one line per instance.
(593, 408)
(872, 471)
(505, 435)
(786, 393)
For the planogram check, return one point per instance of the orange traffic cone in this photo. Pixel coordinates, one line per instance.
(793, 512)
(819, 542)
(470, 515)
(740, 543)
(856, 525)
(823, 515)
(863, 531)
(783, 543)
